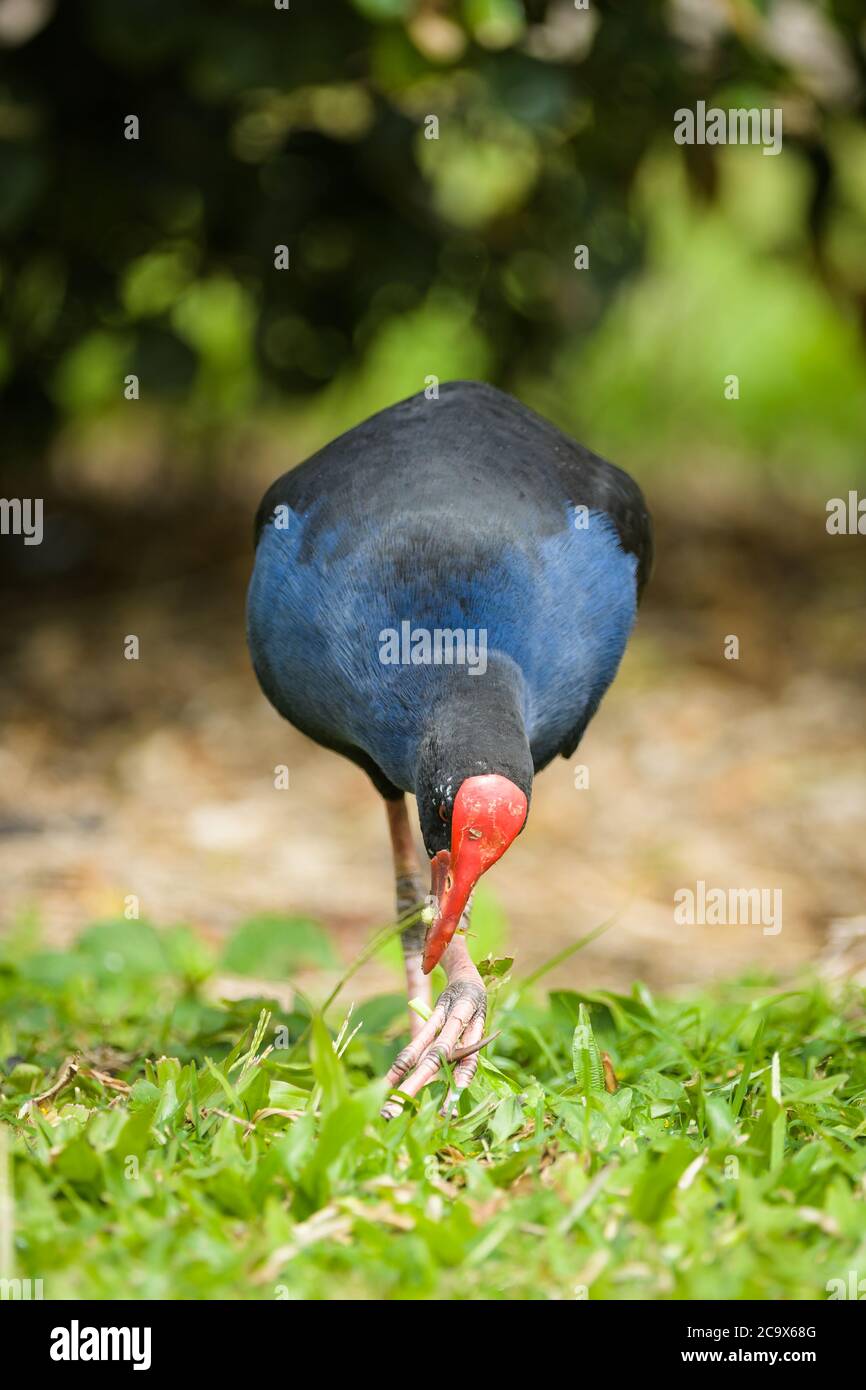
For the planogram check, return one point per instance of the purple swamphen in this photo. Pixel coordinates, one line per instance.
(443, 595)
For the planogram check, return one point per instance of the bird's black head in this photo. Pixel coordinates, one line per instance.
(473, 783)
(438, 782)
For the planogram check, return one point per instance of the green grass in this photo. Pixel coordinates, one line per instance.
(223, 1150)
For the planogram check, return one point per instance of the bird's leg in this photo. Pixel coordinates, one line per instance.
(410, 893)
(455, 1026)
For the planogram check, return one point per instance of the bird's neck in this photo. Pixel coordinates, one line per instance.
(476, 725)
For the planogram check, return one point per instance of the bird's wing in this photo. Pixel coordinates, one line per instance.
(601, 487)
(592, 482)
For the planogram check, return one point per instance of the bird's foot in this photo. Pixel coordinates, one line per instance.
(454, 1033)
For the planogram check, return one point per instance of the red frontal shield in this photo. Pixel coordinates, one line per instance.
(489, 812)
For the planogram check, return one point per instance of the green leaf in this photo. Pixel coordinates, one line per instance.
(121, 949)
(586, 1057)
(78, 1162)
(134, 1138)
(660, 1175)
(52, 969)
(719, 1119)
(272, 947)
(507, 1118)
(505, 1173)
(327, 1067)
(660, 1087)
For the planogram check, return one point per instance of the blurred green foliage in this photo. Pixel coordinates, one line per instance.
(272, 947)
(412, 256)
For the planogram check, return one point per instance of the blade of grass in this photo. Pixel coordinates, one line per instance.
(740, 1093)
(777, 1131)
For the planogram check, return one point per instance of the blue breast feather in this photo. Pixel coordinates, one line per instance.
(561, 607)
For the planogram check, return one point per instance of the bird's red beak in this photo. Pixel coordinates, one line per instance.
(489, 812)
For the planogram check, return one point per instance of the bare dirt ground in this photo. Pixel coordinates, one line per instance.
(156, 777)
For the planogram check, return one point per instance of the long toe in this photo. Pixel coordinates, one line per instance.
(457, 1019)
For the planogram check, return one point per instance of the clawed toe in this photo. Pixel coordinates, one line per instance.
(453, 1034)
